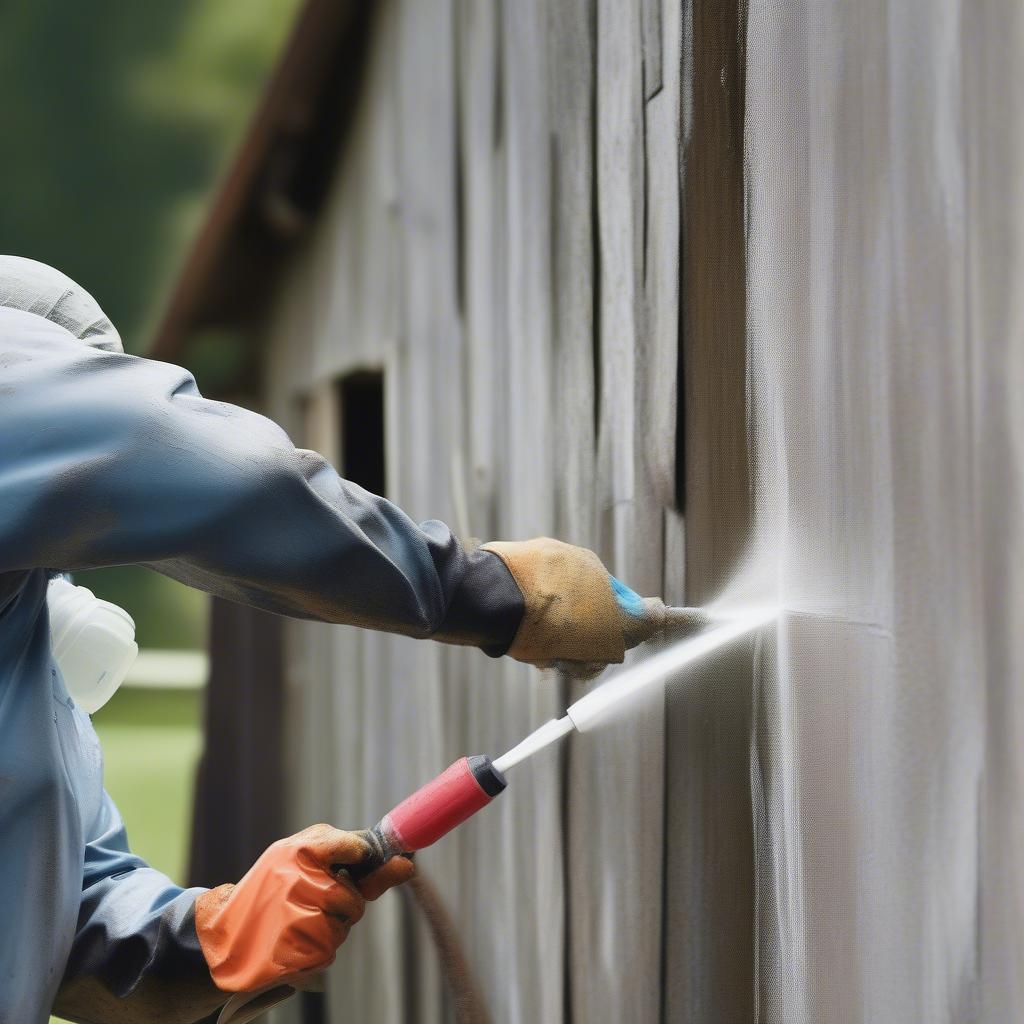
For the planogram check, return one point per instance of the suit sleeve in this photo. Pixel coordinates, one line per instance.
(135, 957)
(110, 459)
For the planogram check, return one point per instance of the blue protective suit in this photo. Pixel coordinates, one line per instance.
(108, 459)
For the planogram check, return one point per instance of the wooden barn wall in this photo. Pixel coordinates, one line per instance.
(502, 241)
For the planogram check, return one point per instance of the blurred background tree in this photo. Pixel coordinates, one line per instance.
(117, 118)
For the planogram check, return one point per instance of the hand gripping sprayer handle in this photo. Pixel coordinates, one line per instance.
(432, 811)
(419, 820)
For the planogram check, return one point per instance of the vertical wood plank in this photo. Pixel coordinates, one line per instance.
(653, 44)
(573, 194)
(658, 349)
(531, 459)
(714, 301)
(709, 836)
(423, 65)
(481, 157)
(532, 893)
(615, 777)
(574, 243)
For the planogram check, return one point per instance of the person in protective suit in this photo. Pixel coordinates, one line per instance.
(108, 459)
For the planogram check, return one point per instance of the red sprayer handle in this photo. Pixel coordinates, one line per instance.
(433, 811)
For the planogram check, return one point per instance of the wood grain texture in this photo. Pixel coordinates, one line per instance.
(503, 240)
(700, 309)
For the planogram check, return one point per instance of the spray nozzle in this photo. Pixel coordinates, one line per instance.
(686, 620)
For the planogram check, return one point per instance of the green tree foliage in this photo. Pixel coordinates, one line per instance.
(117, 117)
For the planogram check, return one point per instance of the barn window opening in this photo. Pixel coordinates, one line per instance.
(361, 408)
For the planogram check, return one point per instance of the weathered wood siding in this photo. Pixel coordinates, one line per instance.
(502, 240)
(824, 824)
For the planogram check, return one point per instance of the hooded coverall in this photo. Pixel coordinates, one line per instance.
(108, 459)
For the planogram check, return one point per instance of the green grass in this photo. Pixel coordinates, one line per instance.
(151, 743)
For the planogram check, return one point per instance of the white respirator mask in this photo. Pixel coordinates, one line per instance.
(93, 643)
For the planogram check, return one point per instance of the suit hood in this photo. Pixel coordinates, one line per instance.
(34, 287)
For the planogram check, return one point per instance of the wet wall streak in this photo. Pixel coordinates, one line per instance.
(713, 261)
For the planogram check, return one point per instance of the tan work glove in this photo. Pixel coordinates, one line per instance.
(578, 617)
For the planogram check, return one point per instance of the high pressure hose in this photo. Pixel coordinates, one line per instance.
(470, 1007)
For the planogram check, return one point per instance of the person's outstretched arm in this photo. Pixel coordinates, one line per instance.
(108, 459)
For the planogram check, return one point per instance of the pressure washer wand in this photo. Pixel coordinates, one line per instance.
(470, 784)
(433, 811)
(451, 798)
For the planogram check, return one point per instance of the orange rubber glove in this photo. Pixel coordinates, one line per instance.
(291, 911)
